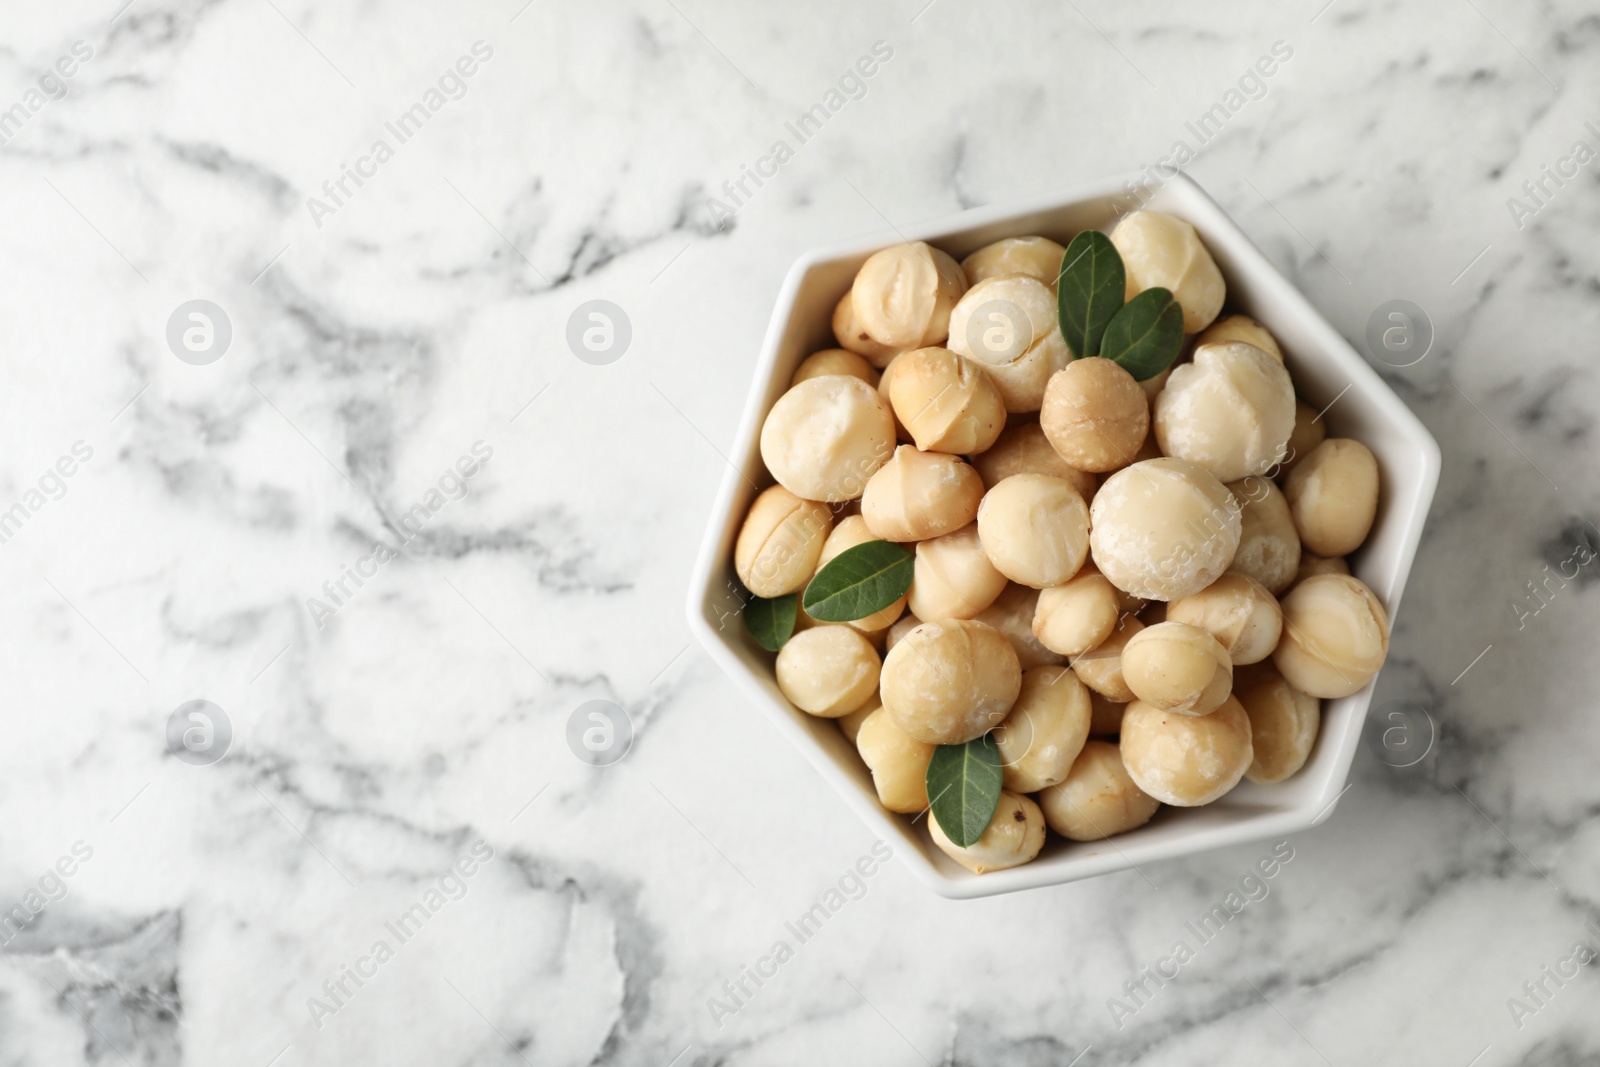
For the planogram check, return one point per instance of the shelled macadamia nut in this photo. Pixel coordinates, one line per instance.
(1014, 837)
(828, 670)
(1151, 387)
(1311, 566)
(1095, 415)
(1037, 257)
(1101, 667)
(1269, 544)
(1012, 614)
(1241, 328)
(1024, 449)
(852, 531)
(1163, 529)
(1098, 798)
(885, 380)
(1035, 529)
(1105, 715)
(918, 495)
(1231, 411)
(952, 577)
(946, 401)
(1283, 723)
(902, 626)
(1045, 731)
(902, 296)
(949, 681)
(853, 337)
(1151, 449)
(851, 724)
(898, 762)
(1078, 615)
(1309, 432)
(1186, 760)
(1008, 325)
(1335, 636)
(834, 361)
(826, 437)
(780, 542)
(1178, 668)
(1165, 251)
(1239, 612)
(1333, 494)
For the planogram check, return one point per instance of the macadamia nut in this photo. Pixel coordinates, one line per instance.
(898, 762)
(1095, 415)
(1238, 611)
(1269, 544)
(1014, 837)
(902, 626)
(902, 296)
(1241, 328)
(780, 542)
(1035, 529)
(1008, 325)
(1231, 411)
(1186, 760)
(853, 337)
(850, 724)
(826, 437)
(1335, 636)
(918, 495)
(1178, 668)
(1078, 615)
(852, 531)
(1098, 798)
(1024, 449)
(834, 361)
(1309, 432)
(1045, 731)
(885, 381)
(1333, 495)
(1160, 250)
(828, 670)
(946, 401)
(1163, 529)
(1037, 257)
(949, 681)
(953, 578)
(1311, 565)
(1012, 614)
(1283, 723)
(1101, 667)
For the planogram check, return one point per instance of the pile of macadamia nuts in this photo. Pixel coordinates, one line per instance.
(1139, 587)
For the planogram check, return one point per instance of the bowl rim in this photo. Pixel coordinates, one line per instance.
(710, 568)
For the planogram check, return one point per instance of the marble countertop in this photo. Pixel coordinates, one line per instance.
(371, 508)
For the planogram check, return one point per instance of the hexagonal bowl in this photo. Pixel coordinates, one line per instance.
(1327, 372)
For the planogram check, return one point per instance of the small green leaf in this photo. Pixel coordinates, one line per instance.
(964, 788)
(859, 581)
(770, 622)
(1089, 291)
(1146, 335)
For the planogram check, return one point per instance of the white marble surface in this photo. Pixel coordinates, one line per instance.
(421, 316)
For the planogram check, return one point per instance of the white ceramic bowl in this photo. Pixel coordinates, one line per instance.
(1324, 367)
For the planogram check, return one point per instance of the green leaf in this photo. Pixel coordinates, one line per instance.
(964, 788)
(1146, 335)
(1089, 291)
(770, 622)
(859, 581)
